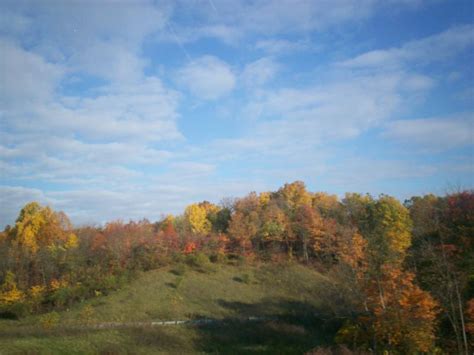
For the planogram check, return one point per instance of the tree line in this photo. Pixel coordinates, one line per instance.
(402, 274)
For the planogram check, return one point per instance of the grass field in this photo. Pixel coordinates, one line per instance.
(289, 294)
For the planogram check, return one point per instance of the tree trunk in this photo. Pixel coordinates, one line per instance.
(461, 316)
(305, 250)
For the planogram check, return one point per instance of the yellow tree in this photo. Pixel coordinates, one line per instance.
(327, 205)
(291, 197)
(385, 224)
(38, 226)
(27, 227)
(294, 195)
(196, 218)
(11, 298)
(392, 229)
(40, 241)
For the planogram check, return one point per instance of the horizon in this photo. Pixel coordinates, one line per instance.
(129, 110)
(221, 203)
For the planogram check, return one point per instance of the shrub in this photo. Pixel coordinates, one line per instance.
(62, 296)
(49, 320)
(12, 300)
(87, 314)
(36, 296)
(199, 261)
(218, 258)
(110, 282)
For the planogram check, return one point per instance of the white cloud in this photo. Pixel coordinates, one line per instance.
(333, 110)
(12, 23)
(291, 123)
(231, 20)
(433, 48)
(26, 77)
(99, 38)
(259, 72)
(418, 82)
(72, 25)
(207, 78)
(109, 60)
(434, 134)
(144, 111)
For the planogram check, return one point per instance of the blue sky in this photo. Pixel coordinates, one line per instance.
(131, 109)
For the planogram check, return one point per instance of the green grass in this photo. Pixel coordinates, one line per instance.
(291, 293)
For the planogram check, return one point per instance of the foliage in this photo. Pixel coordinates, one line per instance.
(196, 218)
(443, 256)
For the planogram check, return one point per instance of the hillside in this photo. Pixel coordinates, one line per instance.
(291, 294)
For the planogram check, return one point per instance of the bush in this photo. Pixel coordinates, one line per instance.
(62, 296)
(165, 260)
(218, 258)
(49, 320)
(178, 257)
(110, 282)
(12, 300)
(36, 297)
(81, 292)
(200, 262)
(15, 310)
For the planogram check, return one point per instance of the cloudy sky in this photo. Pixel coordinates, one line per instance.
(130, 109)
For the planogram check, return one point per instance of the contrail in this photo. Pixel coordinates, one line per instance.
(178, 41)
(213, 6)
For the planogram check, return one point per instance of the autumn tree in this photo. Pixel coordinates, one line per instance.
(308, 227)
(40, 242)
(327, 205)
(245, 223)
(168, 236)
(294, 195)
(403, 319)
(289, 198)
(389, 231)
(196, 219)
(443, 257)
(274, 228)
(11, 298)
(396, 314)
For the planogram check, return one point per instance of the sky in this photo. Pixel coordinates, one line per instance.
(134, 109)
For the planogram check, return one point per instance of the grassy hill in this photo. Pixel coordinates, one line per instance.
(289, 294)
